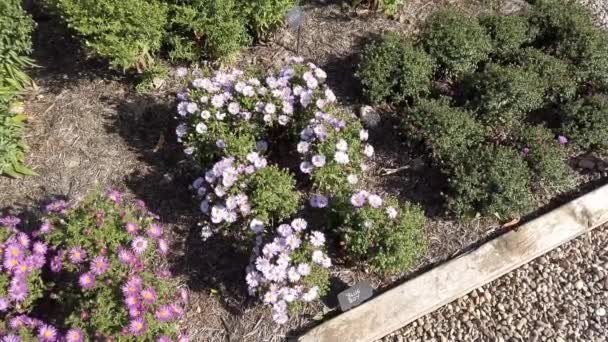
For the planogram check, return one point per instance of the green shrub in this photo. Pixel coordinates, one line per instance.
(206, 28)
(265, 15)
(456, 41)
(273, 195)
(593, 69)
(448, 132)
(393, 70)
(389, 7)
(562, 27)
(558, 77)
(491, 180)
(585, 122)
(503, 94)
(16, 28)
(508, 33)
(545, 157)
(388, 238)
(127, 33)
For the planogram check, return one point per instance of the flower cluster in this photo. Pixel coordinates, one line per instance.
(21, 259)
(108, 245)
(222, 188)
(290, 269)
(331, 147)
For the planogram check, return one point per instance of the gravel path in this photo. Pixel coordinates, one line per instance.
(599, 8)
(562, 296)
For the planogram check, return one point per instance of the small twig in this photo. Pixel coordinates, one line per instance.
(393, 171)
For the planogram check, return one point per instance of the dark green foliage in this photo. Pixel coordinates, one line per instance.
(265, 15)
(16, 28)
(127, 33)
(585, 122)
(545, 157)
(503, 94)
(393, 70)
(492, 180)
(563, 28)
(448, 132)
(212, 28)
(593, 70)
(557, 75)
(456, 41)
(386, 244)
(273, 195)
(508, 33)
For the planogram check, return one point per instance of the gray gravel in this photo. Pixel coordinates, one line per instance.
(599, 9)
(562, 296)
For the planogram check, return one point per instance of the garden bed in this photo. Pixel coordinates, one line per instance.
(89, 126)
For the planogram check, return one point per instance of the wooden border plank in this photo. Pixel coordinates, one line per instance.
(452, 280)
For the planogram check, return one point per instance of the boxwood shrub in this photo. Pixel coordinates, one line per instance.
(508, 34)
(585, 122)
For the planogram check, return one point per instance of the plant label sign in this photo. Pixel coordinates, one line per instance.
(355, 295)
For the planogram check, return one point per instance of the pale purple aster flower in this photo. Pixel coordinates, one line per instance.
(148, 295)
(11, 338)
(77, 255)
(270, 108)
(311, 294)
(23, 240)
(180, 131)
(306, 134)
(287, 108)
(131, 301)
(318, 257)
(182, 95)
(306, 167)
(341, 157)
(18, 322)
(368, 150)
(177, 310)
(391, 212)
(137, 326)
(321, 132)
(306, 98)
(131, 228)
(47, 333)
(154, 231)
(39, 248)
(10, 263)
(220, 143)
(163, 246)
(56, 262)
(86, 281)
(317, 238)
(74, 335)
(253, 279)
(99, 265)
(330, 96)
(205, 114)
(525, 151)
(10, 221)
(293, 275)
(318, 201)
(283, 120)
(261, 145)
(303, 147)
(352, 179)
(562, 140)
(358, 199)
(321, 103)
(284, 230)
(14, 250)
(217, 101)
(342, 145)
(363, 135)
(164, 313)
(139, 245)
(125, 256)
(292, 242)
(181, 72)
(200, 128)
(280, 317)
(256, 226)
(375, 201)
(234, 108)
(189, 150)
(182, 338)
(298, 224)
(320, 74)
(191, 107)
(318, 160)
(36, 260)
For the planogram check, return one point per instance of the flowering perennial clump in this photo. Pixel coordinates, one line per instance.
(232, 123)
(290, 269)
(100, 256)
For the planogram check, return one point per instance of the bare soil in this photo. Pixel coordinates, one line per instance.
(90, 129)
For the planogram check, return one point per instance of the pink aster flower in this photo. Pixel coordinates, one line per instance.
(139, 245)
(74, 335)
(132, 228)
(39, 248)
(131, 300)
(114, 196)
(163, 246)
(125, 256)
(137, 326)
(86, 280)
(562, 140)
(23, 240)
(77, 255)
(163, 339)
(99, 265)
(154, 231)
(47, 333)
(148, 295)
(164, 313)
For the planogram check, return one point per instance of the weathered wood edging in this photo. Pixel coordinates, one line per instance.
(452, 280)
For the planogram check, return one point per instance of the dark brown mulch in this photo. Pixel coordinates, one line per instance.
(89, 129)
